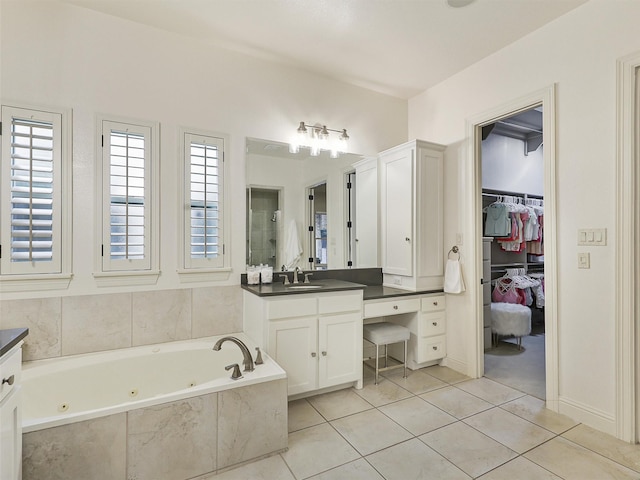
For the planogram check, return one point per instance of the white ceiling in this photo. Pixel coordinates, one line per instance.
(397, 47)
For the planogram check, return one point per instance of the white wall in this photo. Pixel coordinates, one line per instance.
(578, 53)
(55, 54)
(62, 55)
(506, 167)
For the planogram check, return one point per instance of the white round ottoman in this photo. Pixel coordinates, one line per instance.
(510, 319)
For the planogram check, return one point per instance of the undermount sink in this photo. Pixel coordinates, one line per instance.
(303, 287)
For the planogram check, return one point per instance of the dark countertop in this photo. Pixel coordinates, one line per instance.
(10, 338)
(369, 279)
(278, 289)
(374, 292)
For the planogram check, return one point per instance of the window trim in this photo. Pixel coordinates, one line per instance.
(134, 274)
(59, 279)
(193, 272)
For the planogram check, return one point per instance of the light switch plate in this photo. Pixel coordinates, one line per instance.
(592, 236)
(584, 260)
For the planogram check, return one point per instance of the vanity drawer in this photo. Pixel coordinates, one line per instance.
(340, 302)
(432, 348)
(433, 304)
(432, 324)
(290, 307)
(391, 307)
(10, 370)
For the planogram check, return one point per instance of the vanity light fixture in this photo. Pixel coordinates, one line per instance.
(317, 138)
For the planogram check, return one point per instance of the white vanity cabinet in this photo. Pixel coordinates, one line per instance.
(424, 316)
(10, 415)
(430, 341)
(316, 337)
(366, 221)
(411, 215)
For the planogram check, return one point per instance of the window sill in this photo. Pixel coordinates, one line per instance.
(127, 279)
(204, 275)
(45, 281)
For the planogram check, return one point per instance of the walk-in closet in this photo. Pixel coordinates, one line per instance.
(513, 252)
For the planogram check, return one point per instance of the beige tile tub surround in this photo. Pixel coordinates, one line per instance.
(178, 440)
(173, 440)
(252, 421)
(161, 316)
(43, 318)
(90, 323)
(90, 449)
(216, 310)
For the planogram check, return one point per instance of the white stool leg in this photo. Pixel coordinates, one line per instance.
(405, 359)
(386, 358)
(377, 360)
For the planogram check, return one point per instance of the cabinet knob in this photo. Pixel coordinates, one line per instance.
(435, 324)
(435, 303)
(407, 239)
(313, 354)
(435, 348)
(9, 380)
(324, 354)
(395, 307)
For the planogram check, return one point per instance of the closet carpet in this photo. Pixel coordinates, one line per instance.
(523, 369)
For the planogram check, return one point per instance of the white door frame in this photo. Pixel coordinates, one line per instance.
(546, 98)
(627, 255)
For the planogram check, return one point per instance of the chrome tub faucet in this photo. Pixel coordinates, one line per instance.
(248, 360)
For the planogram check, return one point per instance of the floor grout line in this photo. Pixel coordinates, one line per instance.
(413, 436)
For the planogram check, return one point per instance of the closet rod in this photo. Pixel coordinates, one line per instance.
(490, 191)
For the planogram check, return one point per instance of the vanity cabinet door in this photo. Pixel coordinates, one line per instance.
(10, 416)
(10, 436)
(396, 203)
(340, 349)
(293, 345)
(366, 224)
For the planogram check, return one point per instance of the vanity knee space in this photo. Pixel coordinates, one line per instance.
(425, 317)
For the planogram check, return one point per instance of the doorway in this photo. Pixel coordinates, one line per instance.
(545, 98)
(511, 162)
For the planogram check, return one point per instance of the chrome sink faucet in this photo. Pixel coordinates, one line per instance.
(295, 275)
(248, 360)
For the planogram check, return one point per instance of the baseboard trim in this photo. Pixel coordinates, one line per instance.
(588, 415)
(457, 365)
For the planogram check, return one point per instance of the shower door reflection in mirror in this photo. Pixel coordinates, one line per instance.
(264, 226)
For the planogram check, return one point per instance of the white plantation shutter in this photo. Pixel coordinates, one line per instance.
(204, 157)
(31, 185)
(126, 196)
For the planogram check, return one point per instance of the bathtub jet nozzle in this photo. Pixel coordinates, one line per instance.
(248, 360)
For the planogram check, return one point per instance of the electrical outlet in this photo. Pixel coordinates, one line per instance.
(584, 260)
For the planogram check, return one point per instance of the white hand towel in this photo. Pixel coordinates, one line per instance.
(453, 281)
(293, 249)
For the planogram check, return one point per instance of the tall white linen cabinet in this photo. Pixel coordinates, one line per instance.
(411, 216)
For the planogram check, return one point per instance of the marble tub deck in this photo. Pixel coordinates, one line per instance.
(438, 424)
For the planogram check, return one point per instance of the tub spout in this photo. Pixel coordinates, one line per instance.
(248, 360)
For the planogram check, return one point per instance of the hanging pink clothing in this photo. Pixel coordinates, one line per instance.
(506, 292)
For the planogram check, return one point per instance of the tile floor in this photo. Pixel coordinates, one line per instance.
(438, 424)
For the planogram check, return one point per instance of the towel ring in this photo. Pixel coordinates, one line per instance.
(454, 249)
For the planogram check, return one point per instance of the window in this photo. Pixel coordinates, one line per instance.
(128, 183)
(203, 245)
(36, 194)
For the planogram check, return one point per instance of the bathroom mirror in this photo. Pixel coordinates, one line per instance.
(287, 193)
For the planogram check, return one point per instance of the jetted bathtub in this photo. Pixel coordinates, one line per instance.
(140, 381)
